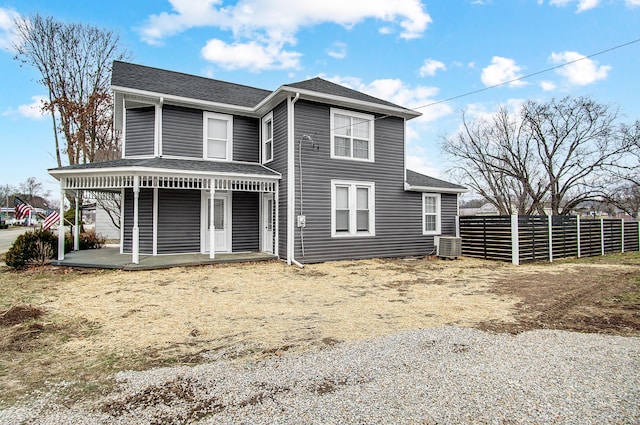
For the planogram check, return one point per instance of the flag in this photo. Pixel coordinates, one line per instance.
(21, 209)
(53, 217)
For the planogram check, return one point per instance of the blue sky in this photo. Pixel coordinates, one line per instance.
(410, 52)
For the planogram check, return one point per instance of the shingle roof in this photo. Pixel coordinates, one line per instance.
(213, 167)
(420, 180)
(156, 80)
(320, 85)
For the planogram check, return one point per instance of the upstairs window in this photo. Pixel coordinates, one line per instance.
(431, 213)
(267, 138)
(218, 130)
(352, 208)
(351, 135)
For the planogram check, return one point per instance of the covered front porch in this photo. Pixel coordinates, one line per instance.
(172, 207)
(111, 258)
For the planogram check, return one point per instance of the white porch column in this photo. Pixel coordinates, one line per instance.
(212, 227)
(276, 200)
(61, 223)
(76, 228)
(135, 248)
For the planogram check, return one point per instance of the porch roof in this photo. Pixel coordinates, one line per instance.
(167, 173)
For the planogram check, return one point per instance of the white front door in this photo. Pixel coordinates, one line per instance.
(221, 222)
(267, 222)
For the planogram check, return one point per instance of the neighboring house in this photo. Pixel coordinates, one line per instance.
(310, 172)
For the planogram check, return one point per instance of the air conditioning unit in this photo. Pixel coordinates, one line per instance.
(448, 246)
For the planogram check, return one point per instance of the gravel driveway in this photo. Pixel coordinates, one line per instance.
(445, 375)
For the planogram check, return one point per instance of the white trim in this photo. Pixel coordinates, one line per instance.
(124, 127)
(281, 92)
(160, 172)
(438, 214)
(409, 188)
(157, 146)
(61, 224)
(291, 184)
(352, 114)
(155, 222)
(183, 100)
(122, 194)
(353, 185)
(264, 214)
(222, 117)
(263, 150)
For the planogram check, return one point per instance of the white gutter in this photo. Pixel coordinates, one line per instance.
(408, 187)
(291, 184)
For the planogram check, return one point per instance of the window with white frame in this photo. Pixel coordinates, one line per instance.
(351, 135)
(267, 138)
(352, 208)
(431, 213)
(218, 140)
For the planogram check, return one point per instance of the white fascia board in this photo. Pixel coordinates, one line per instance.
(433, 189)
(187, 101)
(341, 101)
(135, 170)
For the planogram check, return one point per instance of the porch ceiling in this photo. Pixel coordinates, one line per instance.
(167, 173)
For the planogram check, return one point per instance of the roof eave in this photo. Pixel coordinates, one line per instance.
(58, 173)
(284, 91)
(187, 101)
(434, 189)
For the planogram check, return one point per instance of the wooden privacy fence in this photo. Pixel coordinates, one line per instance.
(522, 238)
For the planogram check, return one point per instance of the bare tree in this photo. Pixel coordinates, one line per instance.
(496, 160)
(558, 153)
(31, 187)
(6, 192)
(74, 61)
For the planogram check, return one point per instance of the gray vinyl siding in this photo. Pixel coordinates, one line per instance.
(448, 210)
(245, 221)
(279, 164)
(179, 221)
(246, 139)
(398, 214)
(140, 131)
(182, 132)
(145, 220)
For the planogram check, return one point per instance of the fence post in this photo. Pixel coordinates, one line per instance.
(578, 224)
(622, 222)
(602, 236)
(457, 226)
(515, 243)
(550, 222)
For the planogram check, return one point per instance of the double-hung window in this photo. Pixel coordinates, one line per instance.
(351, 135)
(431, 213)
(352, 208)
(267, 138)
(218, 141)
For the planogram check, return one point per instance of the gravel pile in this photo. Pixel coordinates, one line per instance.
(444, 376)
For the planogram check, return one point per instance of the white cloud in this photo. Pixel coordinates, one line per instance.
(7, 34)
(547, 85)
(583, 5)
(632, 3)
(501, 71)
(418, 161)
(263, 22)
(430, 67)
(582, 71)
(252, 55)
(338, 50)
(32, 110)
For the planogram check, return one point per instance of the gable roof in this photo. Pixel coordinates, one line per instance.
(420, 183)
(186, 89)
(320, 85)
(160, 81)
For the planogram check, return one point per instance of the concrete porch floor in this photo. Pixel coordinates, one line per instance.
(110, 258)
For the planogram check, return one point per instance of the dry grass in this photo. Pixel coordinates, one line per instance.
(98, 322)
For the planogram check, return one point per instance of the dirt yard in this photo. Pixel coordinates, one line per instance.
(83, 325)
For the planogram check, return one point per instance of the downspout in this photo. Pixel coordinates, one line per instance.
(291, 183)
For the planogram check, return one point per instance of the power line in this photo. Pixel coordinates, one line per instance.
(553, 68)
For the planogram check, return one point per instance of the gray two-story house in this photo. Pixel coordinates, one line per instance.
(310, 172)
